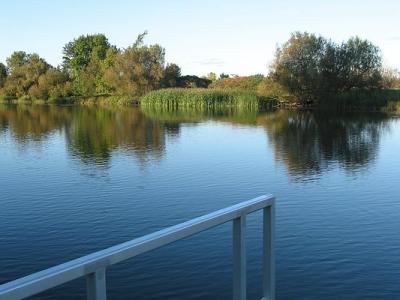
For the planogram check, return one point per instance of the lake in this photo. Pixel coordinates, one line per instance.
(78, 179)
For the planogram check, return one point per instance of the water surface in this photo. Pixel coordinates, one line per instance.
(78, 179)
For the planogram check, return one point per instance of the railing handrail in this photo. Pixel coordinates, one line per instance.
(90, 264)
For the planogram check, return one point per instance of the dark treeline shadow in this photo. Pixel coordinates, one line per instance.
(91, 133)
(309, 143)
(33, 123)
(94, 134)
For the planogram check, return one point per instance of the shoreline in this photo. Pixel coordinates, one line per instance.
(176, 99)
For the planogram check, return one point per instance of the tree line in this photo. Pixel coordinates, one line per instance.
(92, 66)
(307, 67)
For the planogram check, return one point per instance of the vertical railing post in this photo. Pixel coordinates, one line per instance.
(239, 258)
(268, 280)
(96, 285)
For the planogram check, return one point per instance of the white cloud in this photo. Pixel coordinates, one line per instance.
(394, 38)
(211, 62)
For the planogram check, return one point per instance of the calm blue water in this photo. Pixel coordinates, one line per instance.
(75, 180)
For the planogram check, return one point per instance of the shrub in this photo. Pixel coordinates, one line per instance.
(248, 83)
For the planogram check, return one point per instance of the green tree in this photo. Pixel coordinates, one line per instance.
(359, 64)
(17, 59)
(310, 66)
(193, 81)
(223, 76)
(81, 51)
(272, 89)
(137, 69)
(211, 76)
(249, 83)
(86, 59)
(298, 64)
(3, 74)
(55, 83)
(25, 73)
(172, 73)
(390, 78)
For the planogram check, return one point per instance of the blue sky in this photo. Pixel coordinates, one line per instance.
(236, 37)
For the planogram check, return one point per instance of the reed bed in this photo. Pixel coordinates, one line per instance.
(202, 98)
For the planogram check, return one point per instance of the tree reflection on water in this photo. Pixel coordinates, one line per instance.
(308, 143)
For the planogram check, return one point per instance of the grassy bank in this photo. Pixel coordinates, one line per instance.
(113, 100)
(199, 98)
(387, 100)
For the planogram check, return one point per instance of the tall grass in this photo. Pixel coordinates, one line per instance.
(200, 98)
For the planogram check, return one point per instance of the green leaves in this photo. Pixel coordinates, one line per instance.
(140, 40)
(137, 69)
(311, 66)
(87, 58)
(24, 72)
(3, 74)
(172, 73)
(81, 51)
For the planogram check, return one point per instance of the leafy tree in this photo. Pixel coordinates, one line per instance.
(298, 64)
(211, 76)
(239, 82)
(272, 89)
(390, 78)
(86, 59)
(137, 69)
(26, 70)
(193, 81)
(3, 74)
(311, 66)
(360, 64)
(81, 51)
(53, 84)
(140, 39)
(92, 77)
(223, 76)
(172, 73)
(17, 59)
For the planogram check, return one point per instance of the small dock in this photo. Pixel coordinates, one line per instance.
(93, 266)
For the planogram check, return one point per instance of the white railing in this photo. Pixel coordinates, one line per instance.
(93, 266)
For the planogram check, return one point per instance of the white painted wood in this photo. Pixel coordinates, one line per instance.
(239, 258)
(269, 252)
(55, 276)
(96, 285)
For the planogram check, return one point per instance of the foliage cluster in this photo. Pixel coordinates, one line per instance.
(248, 83)
(307, 68)
(311, 66)
(91, 67)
